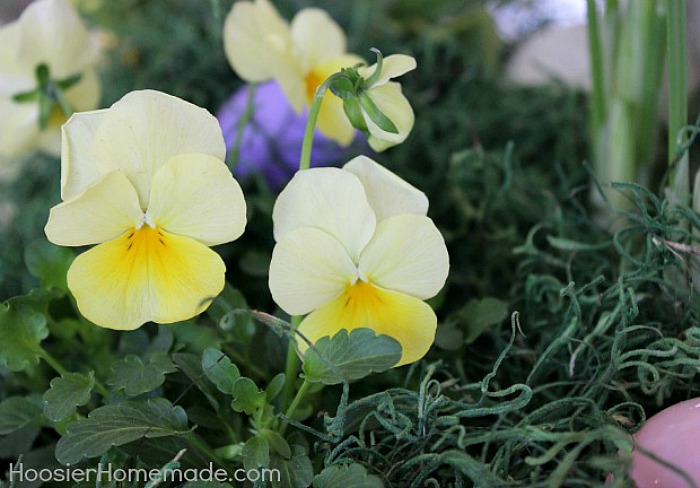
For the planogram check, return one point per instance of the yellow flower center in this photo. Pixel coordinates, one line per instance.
(313, 80)
(359, 297)
(144, 241)
(57, 118)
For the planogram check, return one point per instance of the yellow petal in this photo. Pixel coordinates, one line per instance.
(317, 38)
(19, 128)
(392, 67)
(329, 199)
(406, 319)
(100, 213)
(195, 195)
(145, 275)
(389, 100)
(53, 33)
(388, 194)
(146, 128)
(308, 268)
(406, 254)
(79, 167)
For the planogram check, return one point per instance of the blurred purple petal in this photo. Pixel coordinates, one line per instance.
(271, 142)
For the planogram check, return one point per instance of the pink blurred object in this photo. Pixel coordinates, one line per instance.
(674, 436)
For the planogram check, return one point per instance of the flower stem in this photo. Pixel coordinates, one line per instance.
(241, 125)
(677, 95)
(61, 370)
(290, 371)
(301, 393)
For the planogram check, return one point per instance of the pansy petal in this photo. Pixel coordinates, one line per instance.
(19, 128)
(317, 37)
(54, 34)
(308, 269)
(255, 37)
(146, 275)
(406, 319)
(100, 213)
(195, 195)
(146, 128)
(391, 102)
(388, 194)
(78, 160)
(329, 199)
(392, 67)
(406, 254)
(14, 76)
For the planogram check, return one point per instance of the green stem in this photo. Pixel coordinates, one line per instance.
(53, 362)
(677, 95)
(598, 109)
(62, 101)
(290, 371)
(241, 125)
(301, 393)
(195, 441)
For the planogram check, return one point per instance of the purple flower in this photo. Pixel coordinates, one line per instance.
(271, 142)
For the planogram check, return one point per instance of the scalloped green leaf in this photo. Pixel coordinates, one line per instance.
(23, 326)
(347, 475)
(295, 472)
(116, 425)
(67, 393)
(134, 376)
(350, 356)
(247, 397)
(18, 412)
(220, 370)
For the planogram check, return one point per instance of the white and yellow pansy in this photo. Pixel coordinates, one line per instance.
(49, 33)
(261, 45)
(146, 181)
(356, 249)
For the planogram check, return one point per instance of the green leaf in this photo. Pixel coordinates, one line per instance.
(220, 370)
(134, 377)
(66, 394)
(191, 366)
(480, 315)
(347, 475)
(278, 444)
(247, 397)
(354, 356)
(18, 412)
(256, 453)
(274, 387)
(296, 472)
(49, 263)
(22, 328)
(116, 425)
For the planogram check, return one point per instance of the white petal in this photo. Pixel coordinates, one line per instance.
(146, 128)
(308, 269)
(79, 167)
(255, 38)
(102, 212)
(54, 34)
(391, 102)
(329, 199)
(317, 38)
(195, 195)
(388, 194)
(15, 77)
(19, 128)
(392, 67)
(407, 254)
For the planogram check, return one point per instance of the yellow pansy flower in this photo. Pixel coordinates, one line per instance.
(48, 33)
(356, 249)
(261, 45)
(146, 181)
